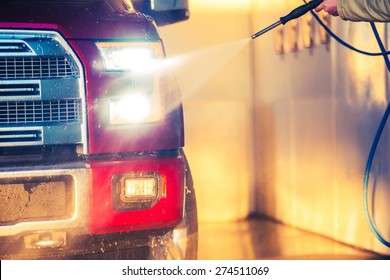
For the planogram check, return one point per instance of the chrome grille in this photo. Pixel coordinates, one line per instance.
(40, 111)
(37, 67)
(42, 91)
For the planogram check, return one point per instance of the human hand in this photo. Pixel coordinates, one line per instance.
(329, 6)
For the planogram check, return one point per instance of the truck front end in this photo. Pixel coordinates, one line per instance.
(91, 136)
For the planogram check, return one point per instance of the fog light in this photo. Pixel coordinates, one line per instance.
(140, 189)
(136, 191)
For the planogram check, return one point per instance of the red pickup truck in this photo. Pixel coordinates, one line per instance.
(91, 135)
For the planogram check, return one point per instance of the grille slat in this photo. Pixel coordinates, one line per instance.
(22, 135)
(40, 111)
(15, 47)
(37, 67)
(19, 90)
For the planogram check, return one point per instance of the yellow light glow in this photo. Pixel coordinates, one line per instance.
(138, 188)
(221, 4)
(265, 6)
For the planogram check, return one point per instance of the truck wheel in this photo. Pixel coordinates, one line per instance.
(182, 241)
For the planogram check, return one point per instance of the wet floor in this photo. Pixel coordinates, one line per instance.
(264, 239)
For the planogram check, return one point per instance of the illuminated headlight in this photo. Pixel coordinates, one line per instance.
(136, 191)
(130, 56)
(136, 91)
(134, 108)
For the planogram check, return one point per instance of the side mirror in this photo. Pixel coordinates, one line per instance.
(164, 11)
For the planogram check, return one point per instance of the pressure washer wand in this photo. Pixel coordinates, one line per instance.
(296, 13)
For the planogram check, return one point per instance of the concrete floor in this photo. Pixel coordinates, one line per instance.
(264, 239)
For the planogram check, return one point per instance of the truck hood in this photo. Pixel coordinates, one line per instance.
(85, 20)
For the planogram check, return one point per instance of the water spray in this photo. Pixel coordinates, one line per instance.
(296, 13)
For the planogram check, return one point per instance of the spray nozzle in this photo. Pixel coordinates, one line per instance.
(296, 13)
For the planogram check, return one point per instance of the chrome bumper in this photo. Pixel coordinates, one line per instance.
(75, 222)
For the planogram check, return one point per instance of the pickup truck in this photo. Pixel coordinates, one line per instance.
(91, 133)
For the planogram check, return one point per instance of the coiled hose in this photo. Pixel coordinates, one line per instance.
(382, 123)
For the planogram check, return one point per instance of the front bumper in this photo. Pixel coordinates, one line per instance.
(19, 208)
(129, 245)
(68, 210)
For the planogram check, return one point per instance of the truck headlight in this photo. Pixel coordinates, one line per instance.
(136, 191)
(130, 56)
(136, 90)
(133, 108)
